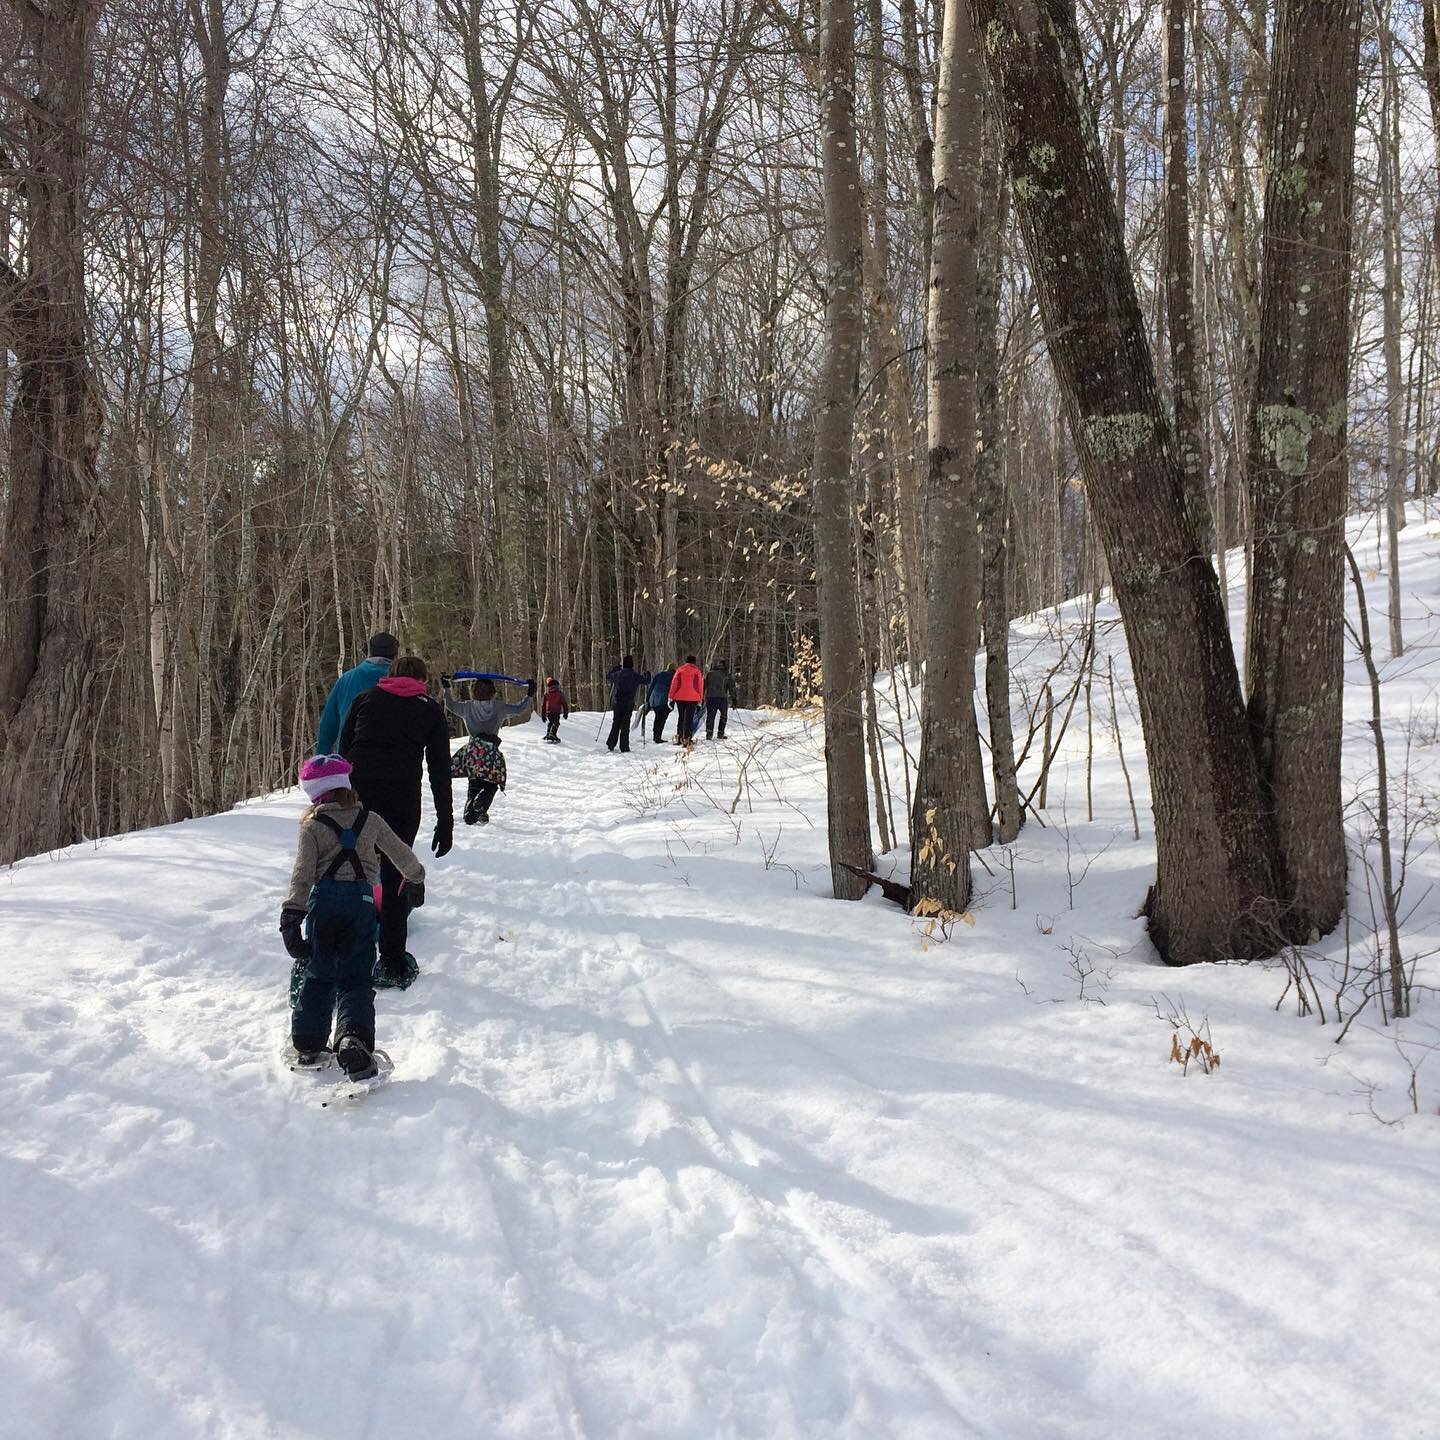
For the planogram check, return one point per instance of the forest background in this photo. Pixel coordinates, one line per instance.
(537, 332)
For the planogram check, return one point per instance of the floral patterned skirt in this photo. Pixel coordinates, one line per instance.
(479, 759)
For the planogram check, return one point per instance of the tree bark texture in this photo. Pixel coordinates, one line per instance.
(1214, 892)
(48, 622)
(1179, 275)
(990, 489)
(1297, 454)
(942, 823)
(841, 648)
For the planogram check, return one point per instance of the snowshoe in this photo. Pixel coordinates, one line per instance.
(392, 975)
(353, 1087)
(355, 1059)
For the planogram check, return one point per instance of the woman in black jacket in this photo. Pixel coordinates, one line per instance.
(390, 732)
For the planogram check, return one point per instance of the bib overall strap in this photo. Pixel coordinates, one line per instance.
(349, 838)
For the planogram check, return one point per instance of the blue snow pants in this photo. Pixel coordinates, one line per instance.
(340, 926)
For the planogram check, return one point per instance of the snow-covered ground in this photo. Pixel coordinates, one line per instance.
(676, 1146)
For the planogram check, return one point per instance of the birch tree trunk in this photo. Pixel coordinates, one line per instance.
(841, 652)
(1297, 449)
(941, 830)
(1215, 885)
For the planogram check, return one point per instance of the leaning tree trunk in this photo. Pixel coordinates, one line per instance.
(1297, 447)
(1215, 886)
(48, 561)
(833, 492)
(942, 830)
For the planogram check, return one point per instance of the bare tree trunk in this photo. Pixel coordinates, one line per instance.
(1392, 304)
(832, 487)
(942, 828)
(1215, 881)
(1179, 276)
(1297, 449)
(990, 488)
(48, 562)
(892, 376)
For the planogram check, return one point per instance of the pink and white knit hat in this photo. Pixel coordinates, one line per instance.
(322, 773)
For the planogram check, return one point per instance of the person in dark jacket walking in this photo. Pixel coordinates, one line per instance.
(390, 733)
(687, 690)
(554, 707)
(480, 762)
(624, 682)
(658, 699)
(381, 653)
(720, 695)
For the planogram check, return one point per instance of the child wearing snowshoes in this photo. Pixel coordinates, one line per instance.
(480, 761)
(554, 707)
(327, 922)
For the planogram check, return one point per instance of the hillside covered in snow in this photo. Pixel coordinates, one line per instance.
(677, 1146)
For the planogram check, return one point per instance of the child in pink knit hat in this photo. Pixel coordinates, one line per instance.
(328, 920)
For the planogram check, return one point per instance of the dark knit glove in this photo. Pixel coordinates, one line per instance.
(443, 838)
(530, 687)
(444, 682)
(297, 947)
(415, 894)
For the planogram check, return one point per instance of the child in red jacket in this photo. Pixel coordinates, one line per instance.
(554, 706)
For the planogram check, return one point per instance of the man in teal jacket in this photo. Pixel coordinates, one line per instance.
(365, 676)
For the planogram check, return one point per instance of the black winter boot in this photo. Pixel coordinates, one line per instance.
(355, 1059)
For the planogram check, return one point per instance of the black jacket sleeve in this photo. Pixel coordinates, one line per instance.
(437, 761)
(347, 730)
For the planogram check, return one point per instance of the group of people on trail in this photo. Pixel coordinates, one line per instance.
(692, 694)
(380, 734)
(378, 731)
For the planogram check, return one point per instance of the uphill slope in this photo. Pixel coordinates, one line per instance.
(677, 1147)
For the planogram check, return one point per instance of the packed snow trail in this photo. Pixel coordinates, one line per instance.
(675, 1146)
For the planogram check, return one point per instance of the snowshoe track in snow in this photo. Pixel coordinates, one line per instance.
(676, 1148)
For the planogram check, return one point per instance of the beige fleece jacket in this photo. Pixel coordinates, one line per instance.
(319, 845)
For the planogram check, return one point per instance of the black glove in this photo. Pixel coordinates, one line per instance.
(444, 682)
(415, 894)
(530, 687)
(297, 947)
(443, 838)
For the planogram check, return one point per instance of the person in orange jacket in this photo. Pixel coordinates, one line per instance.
(687, 690)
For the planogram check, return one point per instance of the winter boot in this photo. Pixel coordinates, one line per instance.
(311, 1059)
(355, 1059)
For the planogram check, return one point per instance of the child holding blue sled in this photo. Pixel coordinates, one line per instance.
(480, 761)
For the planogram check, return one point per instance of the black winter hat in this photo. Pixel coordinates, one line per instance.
(384, 645)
